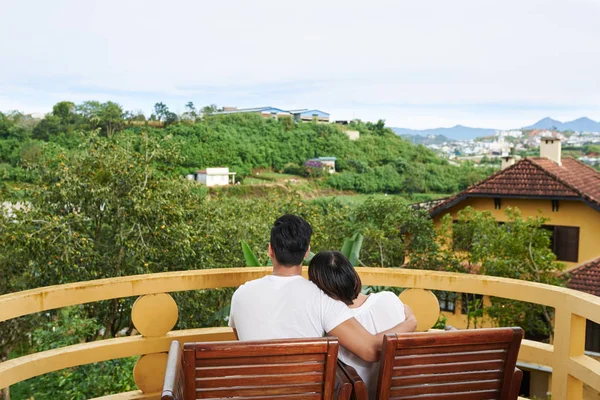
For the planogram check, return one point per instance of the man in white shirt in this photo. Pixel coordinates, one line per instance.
(285, 305)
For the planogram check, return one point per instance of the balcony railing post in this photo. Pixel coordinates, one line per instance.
(153, 315)
(569, 341)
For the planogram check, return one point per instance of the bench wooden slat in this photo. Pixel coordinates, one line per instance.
(449, 349)
(406, 380)
(259, 390)
(450, 358)
(444, 388)
(293, 359)
(259, 380)
(441, 368)
(240, 370)
(303, 396)
(477, 395)
(250, 349)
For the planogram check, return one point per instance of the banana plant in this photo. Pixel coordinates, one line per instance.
(249, 256)
(351, 248)
(252, 260)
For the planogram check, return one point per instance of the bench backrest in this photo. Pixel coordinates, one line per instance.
(465, 365)
(286, 368)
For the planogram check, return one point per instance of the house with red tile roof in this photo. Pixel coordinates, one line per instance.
(567, 193)
(563, 190)
(586, 278)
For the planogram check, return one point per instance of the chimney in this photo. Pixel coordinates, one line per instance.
(550, 148)
(507, 161)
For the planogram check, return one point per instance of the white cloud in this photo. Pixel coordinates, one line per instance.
(411, 62)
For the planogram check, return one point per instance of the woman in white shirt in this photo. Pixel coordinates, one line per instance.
(333, 273)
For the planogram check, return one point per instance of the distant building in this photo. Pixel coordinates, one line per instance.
(215, 177)
(352, 135)
(273, 112)
(267, 112)
(514, 134)
(310, 115)
(327, 162)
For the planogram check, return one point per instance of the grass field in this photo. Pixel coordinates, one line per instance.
(279, 177)
(311, 189)
(358, 199)
(265, 178)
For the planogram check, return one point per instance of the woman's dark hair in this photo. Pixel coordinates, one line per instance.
(333, 273)
(290, 239)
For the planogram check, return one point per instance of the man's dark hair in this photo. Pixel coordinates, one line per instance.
(290, 239)
(333, 273)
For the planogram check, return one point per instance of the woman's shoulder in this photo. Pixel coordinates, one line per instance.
(385, 296)
(383, 299)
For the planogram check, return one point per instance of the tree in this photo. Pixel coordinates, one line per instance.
(98, 212)
(518, 249)
(161, 111)
(65, 111)
(170, 118)
(395, 234)
(190, 113)
(137, 115)
(64, 119)
(210, 109)
(110, 118)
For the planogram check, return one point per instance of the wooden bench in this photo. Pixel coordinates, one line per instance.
(290, 369)
(473, 364)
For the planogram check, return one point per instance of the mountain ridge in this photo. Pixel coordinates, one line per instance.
(583, 124)
(457, 132)
(462, 132)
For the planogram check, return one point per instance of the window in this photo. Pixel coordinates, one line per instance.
(447, 301)
(554, 205)
(592, 336)
(471, 302)
(497, 203)
(564, 242)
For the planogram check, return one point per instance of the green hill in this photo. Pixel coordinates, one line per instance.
(379, 161)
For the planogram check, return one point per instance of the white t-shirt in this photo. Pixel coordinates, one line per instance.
(380, 312)
(281, 307)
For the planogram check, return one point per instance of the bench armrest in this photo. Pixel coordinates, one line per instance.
(359, 387)
(174, 383)
(515, 384)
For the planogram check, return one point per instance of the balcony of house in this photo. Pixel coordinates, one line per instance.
(155, 314)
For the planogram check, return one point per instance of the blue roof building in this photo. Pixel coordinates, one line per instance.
(310, 115)
(303, 114)
(264, 111)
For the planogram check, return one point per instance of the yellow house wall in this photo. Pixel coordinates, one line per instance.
(570, 213)
(461, 321)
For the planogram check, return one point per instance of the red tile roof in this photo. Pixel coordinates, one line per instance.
(586, 277)
(536, 177)
(582, 178)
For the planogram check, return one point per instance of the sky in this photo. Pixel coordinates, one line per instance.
(416, 64)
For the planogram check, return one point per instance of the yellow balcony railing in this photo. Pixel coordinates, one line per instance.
(155, 313)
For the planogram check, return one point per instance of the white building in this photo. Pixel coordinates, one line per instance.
(328, 163)
(352, 135)
(514, 134)
(215, 177)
